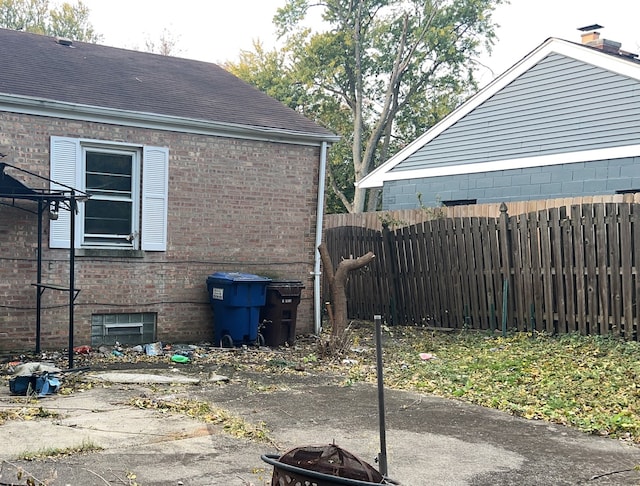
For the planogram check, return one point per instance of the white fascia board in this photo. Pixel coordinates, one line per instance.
(522, 163)
(71, 111)
(579, 52)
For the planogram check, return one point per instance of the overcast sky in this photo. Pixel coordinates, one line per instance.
(216, 30)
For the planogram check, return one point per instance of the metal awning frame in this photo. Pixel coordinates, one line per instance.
(49, 200)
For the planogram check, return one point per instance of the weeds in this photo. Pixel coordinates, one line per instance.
(86, 447)
(26, 413)
(203, 411)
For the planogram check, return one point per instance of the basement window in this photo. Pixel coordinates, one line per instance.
(135, 328)
(459, 202)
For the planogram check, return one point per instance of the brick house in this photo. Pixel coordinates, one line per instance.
(190, 171)
(562, 122)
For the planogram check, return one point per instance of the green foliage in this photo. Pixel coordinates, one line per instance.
(381, 73)
(388, 220)
(68, 20)
(431, 212)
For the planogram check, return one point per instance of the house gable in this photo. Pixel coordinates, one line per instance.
(560, 105)
(563, 103)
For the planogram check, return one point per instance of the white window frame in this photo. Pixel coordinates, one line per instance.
(89, 241)
(150, 192)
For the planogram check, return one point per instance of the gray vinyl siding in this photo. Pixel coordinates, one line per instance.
(565, 180)
(560, 105)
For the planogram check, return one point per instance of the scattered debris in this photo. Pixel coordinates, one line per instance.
(82, 349)
(153, 349)
(28, 369)
(34, 379)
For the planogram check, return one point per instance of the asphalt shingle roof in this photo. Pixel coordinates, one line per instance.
(39, 67)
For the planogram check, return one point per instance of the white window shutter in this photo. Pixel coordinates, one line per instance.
(155, 188)
(64, 169)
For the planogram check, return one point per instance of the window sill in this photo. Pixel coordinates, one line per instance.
(109, 253)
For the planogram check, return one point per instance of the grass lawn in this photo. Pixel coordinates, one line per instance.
(591, 383)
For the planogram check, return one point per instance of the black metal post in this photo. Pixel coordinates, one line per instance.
(382, 457)
(39, 278)
(72, 254)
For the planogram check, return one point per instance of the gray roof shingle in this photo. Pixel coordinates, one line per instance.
(39, 67)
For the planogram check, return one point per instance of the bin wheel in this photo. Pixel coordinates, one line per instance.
(260, 341)
(226, 341)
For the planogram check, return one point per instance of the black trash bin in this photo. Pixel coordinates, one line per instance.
(279, 314)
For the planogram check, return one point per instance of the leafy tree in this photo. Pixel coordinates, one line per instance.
(67, 20)
(381, 73)
(167, 45)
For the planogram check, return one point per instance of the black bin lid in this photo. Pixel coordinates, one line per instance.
(286, 288)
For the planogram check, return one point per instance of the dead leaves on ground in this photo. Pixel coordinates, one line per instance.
(592, 383)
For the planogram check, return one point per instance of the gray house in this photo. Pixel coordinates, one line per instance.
(562, 122)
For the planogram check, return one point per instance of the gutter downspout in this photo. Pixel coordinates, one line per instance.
(319, 223)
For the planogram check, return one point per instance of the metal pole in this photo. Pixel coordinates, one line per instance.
(382, 457)
(39, 278)
(72, 254)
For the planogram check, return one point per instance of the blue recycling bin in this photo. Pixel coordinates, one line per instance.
(236, 300)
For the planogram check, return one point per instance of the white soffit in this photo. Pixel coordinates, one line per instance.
(522, 163)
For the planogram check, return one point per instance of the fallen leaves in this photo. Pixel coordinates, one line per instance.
(205, 412)
(592, 383)
(26, 414)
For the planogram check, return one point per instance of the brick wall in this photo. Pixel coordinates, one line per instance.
(234, 205)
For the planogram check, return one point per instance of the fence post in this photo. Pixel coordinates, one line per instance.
(505, 251)
(391, 270)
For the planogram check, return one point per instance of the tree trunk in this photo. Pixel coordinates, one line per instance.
(337, 283)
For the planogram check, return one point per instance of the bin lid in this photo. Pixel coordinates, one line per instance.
(237, 277)
(276, 284)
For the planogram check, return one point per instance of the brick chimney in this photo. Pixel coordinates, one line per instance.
(591, 37)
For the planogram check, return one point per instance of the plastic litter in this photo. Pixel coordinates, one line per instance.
(153, 349)
(178, 358)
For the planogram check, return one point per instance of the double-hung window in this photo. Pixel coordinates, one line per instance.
(111, 214)
(127, 184)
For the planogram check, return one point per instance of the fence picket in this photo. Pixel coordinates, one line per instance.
(614, 266)
(571, 268)
(625, 262)
(590, 257)
(603, 266)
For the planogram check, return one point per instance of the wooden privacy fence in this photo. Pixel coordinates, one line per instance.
(559, 270)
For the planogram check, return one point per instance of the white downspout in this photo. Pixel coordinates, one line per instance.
(319, 223)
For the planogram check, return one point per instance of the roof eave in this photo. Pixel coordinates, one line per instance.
(40, 107)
